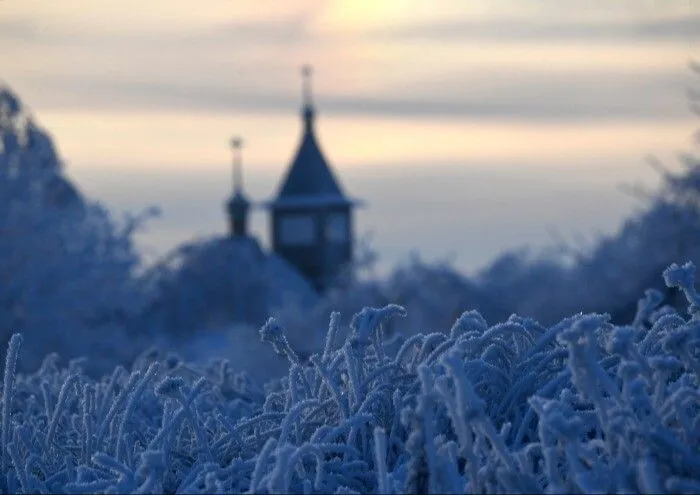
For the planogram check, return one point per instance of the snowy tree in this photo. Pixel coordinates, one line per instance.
(608, 276)
(66, 268)
(208, 284)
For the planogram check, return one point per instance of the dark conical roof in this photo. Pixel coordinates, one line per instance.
(310, 180)
(309, 174)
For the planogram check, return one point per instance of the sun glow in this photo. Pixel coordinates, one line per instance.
(364, 14)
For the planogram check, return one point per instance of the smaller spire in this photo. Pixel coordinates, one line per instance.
(236, 145)
(238, 206)
(307, 97)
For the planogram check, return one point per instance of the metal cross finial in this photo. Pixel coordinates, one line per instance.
(237, 144)
(306, 73)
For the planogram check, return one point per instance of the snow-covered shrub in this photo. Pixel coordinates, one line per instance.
(608, 275)
(209, 297)
(433, 294)
(210, 283)
(240, 345)
(583, 406)
(66, 268)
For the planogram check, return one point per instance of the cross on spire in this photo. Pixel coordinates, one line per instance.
(236, 145)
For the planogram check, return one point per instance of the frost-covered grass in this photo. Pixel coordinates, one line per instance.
(579, 407)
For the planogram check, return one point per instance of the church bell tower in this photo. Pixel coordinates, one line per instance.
(311, 218)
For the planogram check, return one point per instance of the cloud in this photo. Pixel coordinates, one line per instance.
(536, 95)
(293, 30)
(23, 31)
(668, 29)
(249, 66)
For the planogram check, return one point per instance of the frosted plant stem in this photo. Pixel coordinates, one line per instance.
(60, 405)
(380, 460)
(10, 369)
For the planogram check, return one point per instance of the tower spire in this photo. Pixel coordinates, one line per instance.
(307, 97)
(236, 145)
(306, 73)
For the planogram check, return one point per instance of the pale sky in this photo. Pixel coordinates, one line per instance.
(468, 127)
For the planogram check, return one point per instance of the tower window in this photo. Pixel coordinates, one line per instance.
(337, 227)
(297, 230)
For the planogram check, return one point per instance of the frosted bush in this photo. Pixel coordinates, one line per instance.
(608, 275)
(582, 406)
(209, 283)
(433, 293)
(66, 266)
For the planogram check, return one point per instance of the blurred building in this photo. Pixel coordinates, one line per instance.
(215, 282)
(311, 217)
